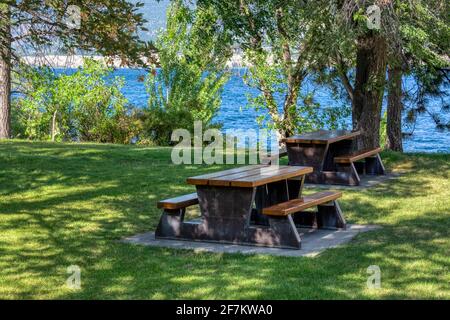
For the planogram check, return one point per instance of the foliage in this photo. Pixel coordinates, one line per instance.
(34, 106)
(383, 130)
(429, 83)
(307, 115)
(425, 32)
(192, 51)
(84, 106)
(109, 27)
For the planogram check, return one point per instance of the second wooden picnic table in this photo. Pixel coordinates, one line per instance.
(333, 154)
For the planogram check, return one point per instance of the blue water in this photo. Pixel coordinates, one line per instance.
(234, 114)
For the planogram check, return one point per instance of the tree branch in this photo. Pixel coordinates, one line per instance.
(256, 44)
(341, 69)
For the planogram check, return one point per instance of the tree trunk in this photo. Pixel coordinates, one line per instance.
(370, 80)
(53, 133)
(290, 101)
(5, 72)
(394, 110)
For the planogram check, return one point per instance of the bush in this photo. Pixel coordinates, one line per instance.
(188, 85)
(84, 106)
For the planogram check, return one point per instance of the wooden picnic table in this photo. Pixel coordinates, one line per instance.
(257, 205)
(231, 204)
(333, 154)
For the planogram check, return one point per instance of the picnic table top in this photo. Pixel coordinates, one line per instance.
(250, 176)
(322, 136)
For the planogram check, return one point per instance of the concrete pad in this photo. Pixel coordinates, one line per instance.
(313, 242)
(365, 183)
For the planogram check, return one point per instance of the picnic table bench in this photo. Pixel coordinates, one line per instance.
(334, 157)
(256, 205)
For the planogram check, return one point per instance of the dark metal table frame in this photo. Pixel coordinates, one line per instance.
(231, 204)
(318, 150)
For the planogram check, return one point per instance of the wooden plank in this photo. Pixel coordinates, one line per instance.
(322, 137)
(226, 180)
(283, 173)
(179, 202)
(250, 176)
(297, 205)
(357, 156)
(203, 179)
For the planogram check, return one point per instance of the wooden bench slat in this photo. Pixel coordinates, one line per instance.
(179, 202)
(357, 156)
(297, 205)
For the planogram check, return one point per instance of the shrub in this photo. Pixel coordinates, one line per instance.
(188, 85)
(86, 105)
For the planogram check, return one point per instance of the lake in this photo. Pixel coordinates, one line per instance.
(234, 114)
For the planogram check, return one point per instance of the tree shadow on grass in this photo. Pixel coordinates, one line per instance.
(60, 205)
(72, 209)
(410, 257)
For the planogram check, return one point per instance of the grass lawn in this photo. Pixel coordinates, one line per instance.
(69, 204)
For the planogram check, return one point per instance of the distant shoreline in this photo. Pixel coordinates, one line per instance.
(76, 61)
(65, 61)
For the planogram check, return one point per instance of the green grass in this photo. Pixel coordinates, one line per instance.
(69, 204)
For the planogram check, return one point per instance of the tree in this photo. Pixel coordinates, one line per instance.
(193, 51)
(371, 62)
(5, 71)
(108, 27)
(374, 40)
(425, 38)
(407, 37)
(284, 33)
(275, 37)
